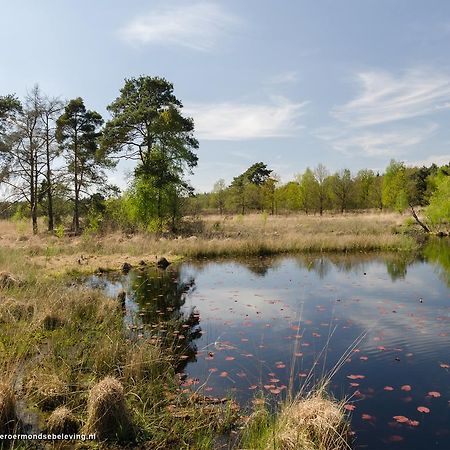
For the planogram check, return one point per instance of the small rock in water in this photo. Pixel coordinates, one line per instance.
(126, 267)
(162, 263)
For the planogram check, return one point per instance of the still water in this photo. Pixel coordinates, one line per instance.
(274, 324)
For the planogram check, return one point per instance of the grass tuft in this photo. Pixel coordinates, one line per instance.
(108, 415)
(62, 421)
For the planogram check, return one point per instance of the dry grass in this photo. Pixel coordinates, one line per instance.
(8, 418)
(253, 234)
(47, 389)
(108, 414)
(62, 421)
(311, 423)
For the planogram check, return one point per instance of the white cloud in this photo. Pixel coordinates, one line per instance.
(385, 98)
(196, 26)
(369, 143)
(238, 121)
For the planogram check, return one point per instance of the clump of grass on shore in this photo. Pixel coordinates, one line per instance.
(107, 413)
(312, 422)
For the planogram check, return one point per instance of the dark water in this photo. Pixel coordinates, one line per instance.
(267, 324)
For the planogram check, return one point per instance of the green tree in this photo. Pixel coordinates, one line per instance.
(77, 133)
(219, 191)
(364, 189)
(394, 191)
(321, 175)
(342, 186)
(245, 189)
(147, 126)
(438, 211)
(309, 190)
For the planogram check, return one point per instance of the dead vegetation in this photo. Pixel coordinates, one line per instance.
(8, 417)
(62, 421)
(107, 413)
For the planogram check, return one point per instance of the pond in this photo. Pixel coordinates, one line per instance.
(281, 324)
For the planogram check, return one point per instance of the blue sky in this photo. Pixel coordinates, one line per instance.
(349, 83)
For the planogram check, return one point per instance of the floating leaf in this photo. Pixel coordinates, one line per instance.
(401, 419)
(434, 394)
(366, 417)
(406, 387)
(423, 409)
(388, 388)
(350, 407)
(413, 423)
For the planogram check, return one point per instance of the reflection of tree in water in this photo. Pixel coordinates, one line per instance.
(319, 265)
(161, 296)
(437, 251)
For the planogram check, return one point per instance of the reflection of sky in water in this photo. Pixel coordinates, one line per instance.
(250, 312)
(253, 319)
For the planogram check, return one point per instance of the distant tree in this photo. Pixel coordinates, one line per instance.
(77, 133)
(342, 186)
(364, 185)
(147, 126)
(309, 190)
(321, 175)
(219, 191)
(438, 211)
(269, 197)
(246, 187)
(394, 191)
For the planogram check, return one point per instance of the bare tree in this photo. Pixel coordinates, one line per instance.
(21, 156)
(50, 108)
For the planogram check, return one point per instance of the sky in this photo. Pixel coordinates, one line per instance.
(348, 83)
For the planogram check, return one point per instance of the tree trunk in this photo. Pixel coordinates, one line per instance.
(76, 211)
(49, 183)
(425, 228)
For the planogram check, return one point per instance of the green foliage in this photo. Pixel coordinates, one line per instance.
(147, 125)
(77, 133)
(394, 186)
(438, 211)
(59, 231)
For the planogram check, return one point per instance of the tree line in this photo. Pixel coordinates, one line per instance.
(54, 154)
(318, 190)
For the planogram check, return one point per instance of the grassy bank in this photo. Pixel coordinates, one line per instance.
(215, 236)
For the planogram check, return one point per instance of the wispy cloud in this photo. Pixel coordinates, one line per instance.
(386, 98)
(197, 26)
(240, 121)
(368, 143)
